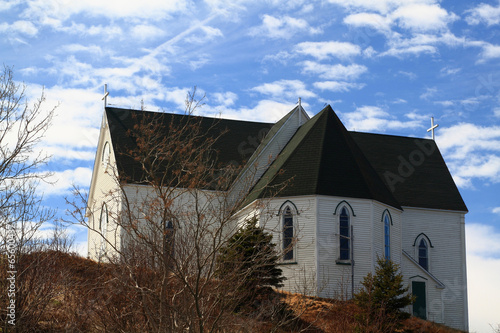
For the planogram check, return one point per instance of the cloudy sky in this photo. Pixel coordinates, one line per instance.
(385, 66)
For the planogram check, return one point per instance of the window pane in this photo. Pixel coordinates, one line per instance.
(345, 242)
(422, 254)
(288, 235)
(387, 237)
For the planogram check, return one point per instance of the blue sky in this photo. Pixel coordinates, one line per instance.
(385, 66)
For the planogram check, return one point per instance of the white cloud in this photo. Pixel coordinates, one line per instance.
(429, 92)
(410, 50)
(282, 27)
(381, 6)
(409, 75)
(265, 111)
(496, 210)
(146, 32)
(285, 90)
(106, 32)
(74, 131)
(75, 48)
(114, 9)
(281, 57)
(496, 112)
(374, 118)
(465, 138)
(61, 182)
(226, 99)
(207, 34)
(424, 21)
(371, 20)
(334, 72)
(323, 50)
(22, 27)
(449, 71)
(423, 17)
(490, 52)
(6, 5)
(81, 248)
(400, 101)
(483, 269)
(472, 152)
(445, 103)
(338, 86)
(424, 43)
(417, 15)
(369, 52)
(485, 167)
(198, 63)
(484, 13)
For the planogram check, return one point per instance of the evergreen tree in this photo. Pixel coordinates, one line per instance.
(250, 258)
(383, 296)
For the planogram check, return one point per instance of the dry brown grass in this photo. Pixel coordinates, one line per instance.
(86, 299)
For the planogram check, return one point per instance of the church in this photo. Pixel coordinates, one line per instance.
(349, 199)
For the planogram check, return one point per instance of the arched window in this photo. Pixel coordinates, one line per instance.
(105, 155)
(103, 227)
(345, 235)
(423, 254)
(103, 220)
(387, 236)
(288, 234)
(169, 237)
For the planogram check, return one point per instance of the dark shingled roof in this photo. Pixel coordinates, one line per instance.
(413, 169)
(322, 158)
(234, 147)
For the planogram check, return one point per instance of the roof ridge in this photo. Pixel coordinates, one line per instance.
(259, 189)
(322, 158)
(111, 108)
(364, 166)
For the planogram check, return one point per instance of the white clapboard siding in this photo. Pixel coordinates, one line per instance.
(301, 271)
(104, 189)
(365, 217)
(445, 230)
(265, 155)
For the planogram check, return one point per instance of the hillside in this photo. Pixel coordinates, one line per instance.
(62, 292)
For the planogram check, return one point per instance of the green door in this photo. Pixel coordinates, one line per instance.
(419, 307)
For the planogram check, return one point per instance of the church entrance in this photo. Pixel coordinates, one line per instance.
(420, 305)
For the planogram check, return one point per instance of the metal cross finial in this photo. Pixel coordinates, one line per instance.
(433, 127)
(106, 93)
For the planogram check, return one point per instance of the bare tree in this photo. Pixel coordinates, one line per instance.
(22, 127)
(174, 217)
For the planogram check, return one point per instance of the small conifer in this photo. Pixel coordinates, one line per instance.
(250, 257)
(384, 296)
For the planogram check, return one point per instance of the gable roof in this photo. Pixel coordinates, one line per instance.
(322, 158)
(413, 169)
(234, 147)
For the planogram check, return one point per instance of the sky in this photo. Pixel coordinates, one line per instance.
(384, 66)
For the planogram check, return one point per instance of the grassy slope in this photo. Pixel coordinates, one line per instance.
(80, 288)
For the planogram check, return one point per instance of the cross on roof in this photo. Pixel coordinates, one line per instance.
(106, 93)
(433, 127)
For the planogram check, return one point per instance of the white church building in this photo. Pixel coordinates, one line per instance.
(351, 198)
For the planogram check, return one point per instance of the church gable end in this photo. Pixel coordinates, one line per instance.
(323, 159)
(413, 169)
